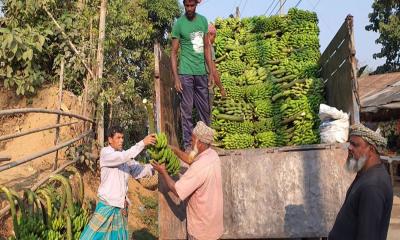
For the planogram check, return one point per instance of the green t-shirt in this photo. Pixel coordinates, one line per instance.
(191, 39)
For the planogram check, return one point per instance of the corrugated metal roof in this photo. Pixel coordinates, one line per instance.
(380, 91)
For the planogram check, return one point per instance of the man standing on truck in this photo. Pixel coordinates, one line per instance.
(190, 34)
(202, 184)
(109, 221)
(365, 213)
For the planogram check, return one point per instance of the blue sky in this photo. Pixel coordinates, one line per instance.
(331, 14)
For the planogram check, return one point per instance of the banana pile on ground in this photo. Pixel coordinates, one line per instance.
(269, 68)
(51, 212)
(162, 154)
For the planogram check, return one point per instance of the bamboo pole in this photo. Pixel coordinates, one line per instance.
(41, 110)
(43, 153)
(35, 130)
(99, 76)
(60, 95)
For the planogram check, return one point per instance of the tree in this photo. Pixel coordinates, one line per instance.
(132, 27)
(385, 19)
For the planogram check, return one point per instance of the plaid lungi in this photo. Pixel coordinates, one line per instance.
(106, 223)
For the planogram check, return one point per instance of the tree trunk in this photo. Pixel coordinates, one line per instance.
(99, 73)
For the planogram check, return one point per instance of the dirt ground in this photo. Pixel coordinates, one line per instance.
(142, 218)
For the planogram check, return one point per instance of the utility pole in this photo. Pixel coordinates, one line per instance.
(237, 15)
(280, 7)
(99, 72)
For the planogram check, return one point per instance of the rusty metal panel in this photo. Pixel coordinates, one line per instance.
(371, 84)
(279, 194)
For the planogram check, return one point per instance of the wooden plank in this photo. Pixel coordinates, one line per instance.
(332, 46)
(172, 212)
(339, 89)
(5, 158)
(341, 54)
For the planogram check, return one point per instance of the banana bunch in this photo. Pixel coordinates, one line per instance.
(52, 235)
(305, 54)
(162, 154)
(79, 221)
(252, 52)
(264, 125)
(258, 92)
(252, 77)
(245, 127)
(304, 133)
(263, 24)
(239, 110)
(263, 109)
(266, 139)
(234, 67)
(295, 14)
(283, 136)
(303, 40)
(293, 107)
(235, 92)
(238, 141)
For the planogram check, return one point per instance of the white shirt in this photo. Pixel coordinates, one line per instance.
(116, 167)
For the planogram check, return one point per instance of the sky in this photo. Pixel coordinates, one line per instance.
(331, 15)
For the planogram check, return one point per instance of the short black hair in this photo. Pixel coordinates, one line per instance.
(113, 130)
(197, 2)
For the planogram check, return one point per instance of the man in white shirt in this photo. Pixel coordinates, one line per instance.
(109, 220)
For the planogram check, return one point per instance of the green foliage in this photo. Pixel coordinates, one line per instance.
(385, 19)
(20, 58)
(32, 49)
(39, 46)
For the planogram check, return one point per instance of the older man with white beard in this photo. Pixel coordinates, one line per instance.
(365, 213)
(201, 185)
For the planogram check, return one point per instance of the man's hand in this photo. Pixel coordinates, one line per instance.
(178, 85)
(223, 92)
(150, 139)
(211, 82)
(159, 168)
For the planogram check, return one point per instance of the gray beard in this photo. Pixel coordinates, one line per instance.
(355, 166)
(193, 153)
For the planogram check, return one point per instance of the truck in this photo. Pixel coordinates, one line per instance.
(280, 192)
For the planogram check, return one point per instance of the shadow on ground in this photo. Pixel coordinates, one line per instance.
(143, 234)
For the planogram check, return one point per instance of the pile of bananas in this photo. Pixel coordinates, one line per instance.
(162, 154)
(269, 68)
(238, 141)
(50, 212)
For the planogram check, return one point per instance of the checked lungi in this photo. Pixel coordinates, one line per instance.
(107, 222)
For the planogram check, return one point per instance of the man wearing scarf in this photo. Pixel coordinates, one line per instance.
(201, 184)
(365, 213)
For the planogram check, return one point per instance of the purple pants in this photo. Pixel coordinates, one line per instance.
(195, 93)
